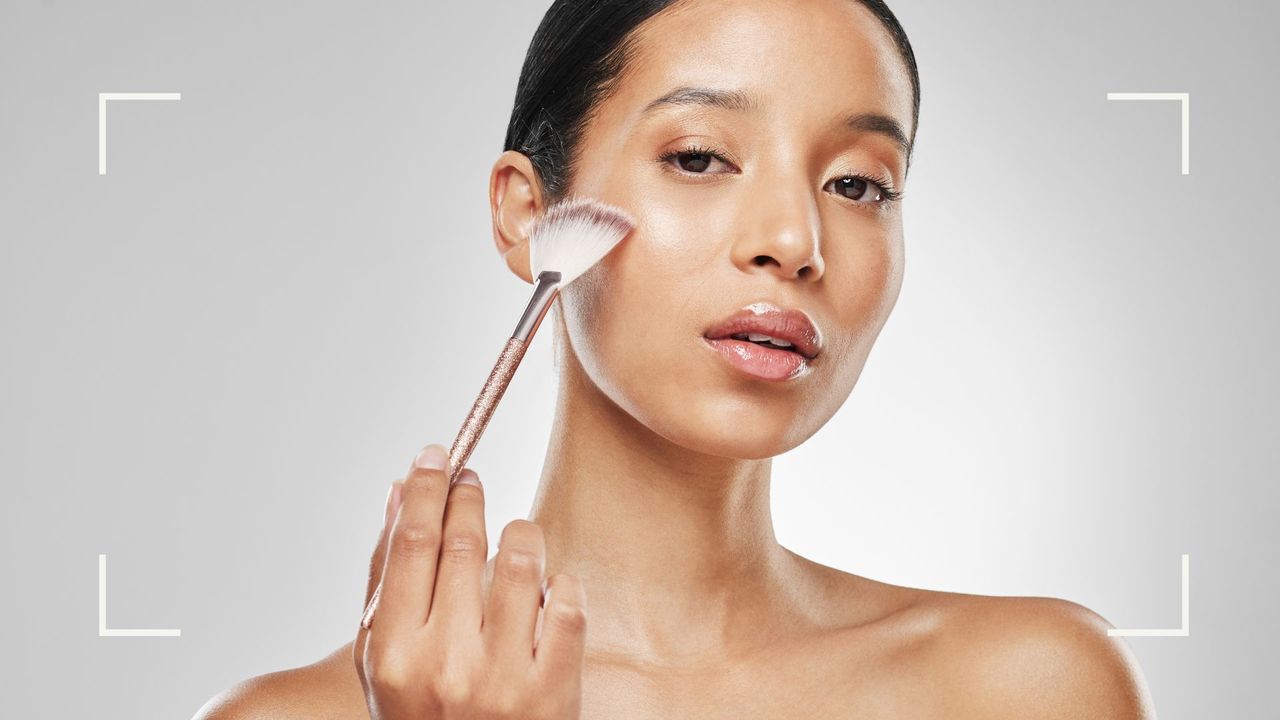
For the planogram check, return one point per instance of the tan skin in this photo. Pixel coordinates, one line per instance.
(670, 596)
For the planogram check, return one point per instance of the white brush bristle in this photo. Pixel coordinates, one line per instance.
(575, 234)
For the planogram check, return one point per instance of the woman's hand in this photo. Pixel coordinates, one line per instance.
(437, 647)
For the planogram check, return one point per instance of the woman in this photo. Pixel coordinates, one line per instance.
(762, 147)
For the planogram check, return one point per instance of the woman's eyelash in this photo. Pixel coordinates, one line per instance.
(890, 193)
(692, 150)
(887, 190)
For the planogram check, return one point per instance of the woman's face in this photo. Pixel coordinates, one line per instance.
(743, 203)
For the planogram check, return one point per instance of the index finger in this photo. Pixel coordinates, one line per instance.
(413, 549)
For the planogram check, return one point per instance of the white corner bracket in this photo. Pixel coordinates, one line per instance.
(1183, 631)
(103, 630)
(1185, 99)
(102, 118)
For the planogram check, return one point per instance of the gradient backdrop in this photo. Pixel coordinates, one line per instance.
(217, 355)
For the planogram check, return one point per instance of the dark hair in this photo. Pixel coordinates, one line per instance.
(577, 54)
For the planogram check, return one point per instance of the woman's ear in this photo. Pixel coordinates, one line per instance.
(515, 199)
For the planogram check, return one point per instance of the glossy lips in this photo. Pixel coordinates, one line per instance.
(765, 361)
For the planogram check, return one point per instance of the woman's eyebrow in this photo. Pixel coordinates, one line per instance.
(881, 124)
(740, 101)
(710, 97)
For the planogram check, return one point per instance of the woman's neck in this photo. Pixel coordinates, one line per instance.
(676, 548)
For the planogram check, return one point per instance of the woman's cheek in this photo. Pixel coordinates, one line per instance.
(883, 282)
(606, 319)
(872, 266)
(873, 269)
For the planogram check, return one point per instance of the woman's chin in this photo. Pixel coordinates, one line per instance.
(734, 429)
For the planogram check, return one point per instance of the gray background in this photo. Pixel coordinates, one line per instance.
(217, 356)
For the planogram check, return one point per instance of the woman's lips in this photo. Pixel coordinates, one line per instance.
(732, 338)
(762, 318)
(763, 362)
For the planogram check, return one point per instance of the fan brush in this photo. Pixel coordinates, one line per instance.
(566, 241)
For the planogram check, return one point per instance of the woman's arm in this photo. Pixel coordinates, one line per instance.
(325, 690)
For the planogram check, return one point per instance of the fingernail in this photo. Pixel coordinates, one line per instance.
(469, 477)
(432, 457)
(393, 502)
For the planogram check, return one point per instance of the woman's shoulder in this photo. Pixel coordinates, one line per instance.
(996, 656)
(327, 689)
(1029, 655)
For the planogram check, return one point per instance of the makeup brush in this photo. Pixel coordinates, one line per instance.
(566, 241)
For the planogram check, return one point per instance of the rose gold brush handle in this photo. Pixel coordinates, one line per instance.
(544, 292)
(478, 419)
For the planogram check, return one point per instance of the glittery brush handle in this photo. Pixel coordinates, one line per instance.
(545, 291)
(478, 419)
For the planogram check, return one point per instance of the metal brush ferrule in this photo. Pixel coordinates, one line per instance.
(544, 292)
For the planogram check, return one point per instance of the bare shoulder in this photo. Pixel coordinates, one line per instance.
(324, 690)
(1030, 657)
(961, 656)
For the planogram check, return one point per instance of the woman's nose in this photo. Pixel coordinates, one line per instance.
(781, 235)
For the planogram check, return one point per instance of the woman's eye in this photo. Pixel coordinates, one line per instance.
(862, 189)
(693, 161)
(856, 188)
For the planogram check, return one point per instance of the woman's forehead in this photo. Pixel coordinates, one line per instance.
(819, 54)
